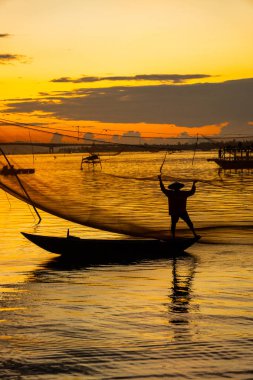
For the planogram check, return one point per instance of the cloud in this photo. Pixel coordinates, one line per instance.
(173, 78)
(9, 58)
(4, 35)
(186, 105)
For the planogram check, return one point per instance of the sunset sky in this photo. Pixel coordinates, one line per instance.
(167, 67)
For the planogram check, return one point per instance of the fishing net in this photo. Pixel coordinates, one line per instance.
(110, 183)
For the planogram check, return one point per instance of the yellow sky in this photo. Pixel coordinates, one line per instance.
(51, 39)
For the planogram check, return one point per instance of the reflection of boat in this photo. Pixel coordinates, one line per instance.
(238, 157)
(10, 170)
(108, 250)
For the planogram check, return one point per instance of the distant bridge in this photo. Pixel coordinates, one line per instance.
(50, 146)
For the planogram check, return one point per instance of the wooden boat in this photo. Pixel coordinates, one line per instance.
(6, 170)
(238, 157)
(102, 250)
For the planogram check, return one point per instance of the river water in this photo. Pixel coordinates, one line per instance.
(185, 317)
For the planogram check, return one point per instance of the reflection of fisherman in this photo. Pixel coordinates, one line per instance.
(177, 204)
(180, 309)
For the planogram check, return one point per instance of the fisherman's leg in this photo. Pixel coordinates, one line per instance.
(174, 220)
(188, 221)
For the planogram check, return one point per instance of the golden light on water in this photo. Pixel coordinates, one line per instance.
(143, 69)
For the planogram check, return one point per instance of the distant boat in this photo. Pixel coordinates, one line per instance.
(234, 157)
(10, 170)
(92, 159)
(110, 250)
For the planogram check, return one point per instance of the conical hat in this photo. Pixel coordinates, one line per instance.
(176, 186)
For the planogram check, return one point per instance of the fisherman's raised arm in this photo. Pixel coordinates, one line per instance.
(162, 185)
(193, 189)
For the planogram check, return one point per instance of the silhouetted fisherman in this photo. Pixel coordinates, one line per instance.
(177, 200)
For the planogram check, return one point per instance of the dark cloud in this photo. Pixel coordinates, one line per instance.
(174, 78)
(185, 105)
(9, 58)
(79, 80)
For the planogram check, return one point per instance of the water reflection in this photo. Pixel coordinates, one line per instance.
(139, 287)
(180, 269)
(183, 271)
(68, 263)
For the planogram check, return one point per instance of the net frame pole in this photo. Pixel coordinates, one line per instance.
(22, 186)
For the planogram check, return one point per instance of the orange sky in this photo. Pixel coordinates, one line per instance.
(54, 51)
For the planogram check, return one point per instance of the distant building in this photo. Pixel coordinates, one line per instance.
(56, 138)
(88, 136)
(116, 139)
(132, 137)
